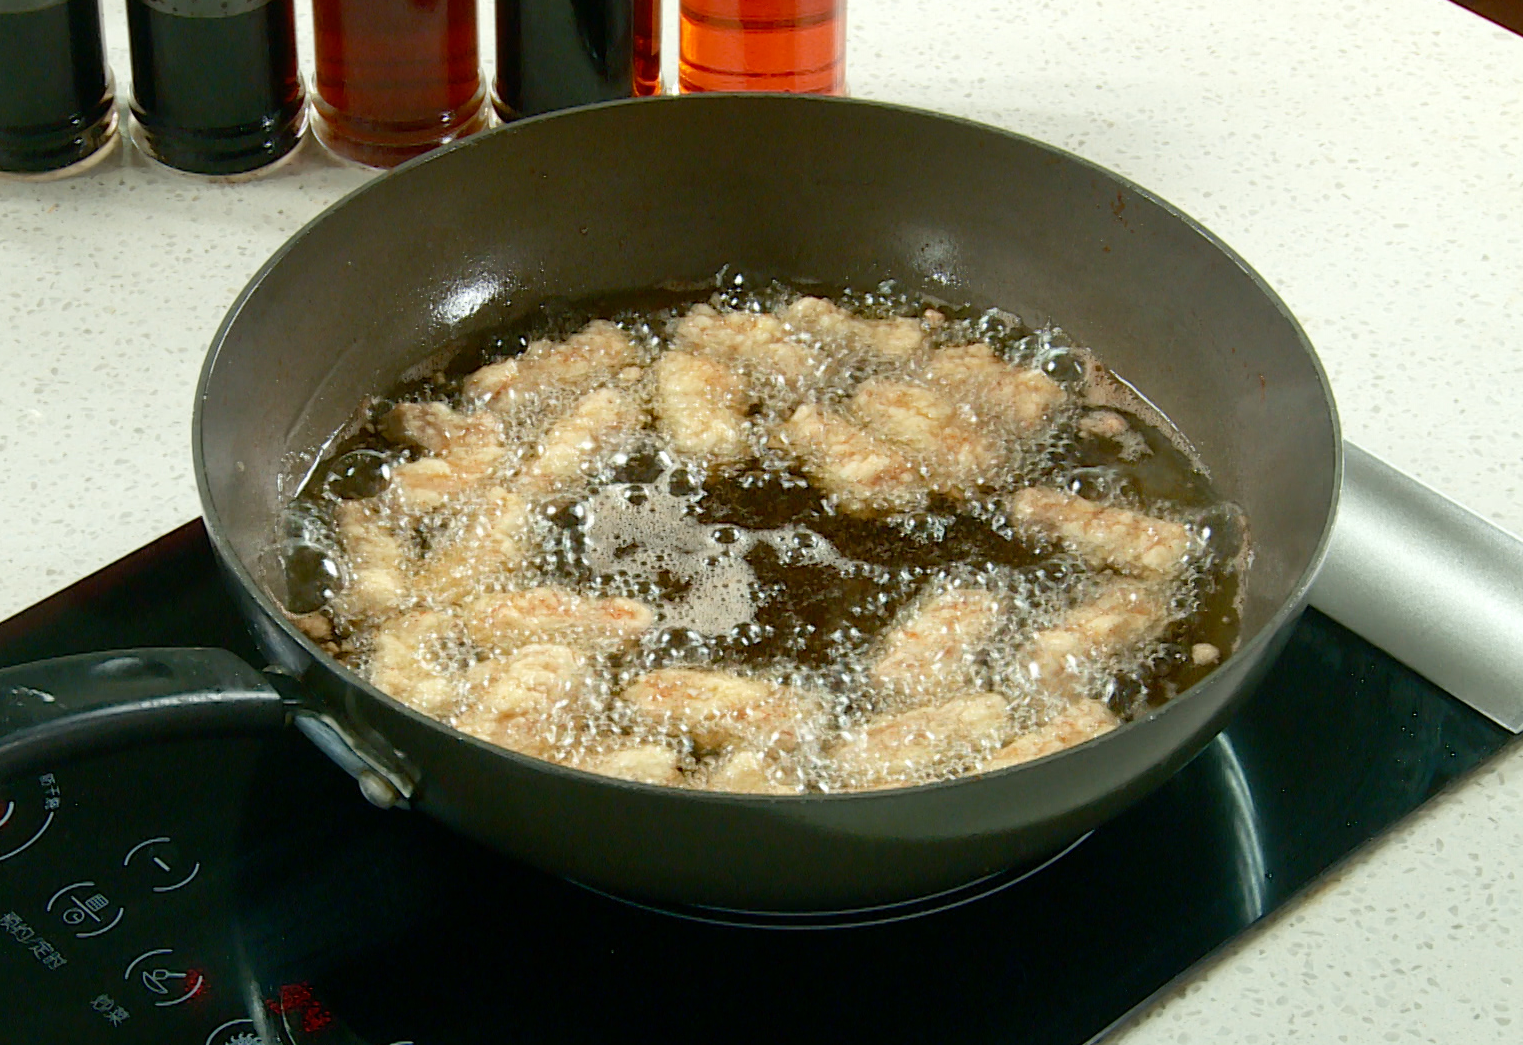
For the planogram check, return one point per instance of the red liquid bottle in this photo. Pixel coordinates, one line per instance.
(798, 46)
(647, 48)
(395, 78)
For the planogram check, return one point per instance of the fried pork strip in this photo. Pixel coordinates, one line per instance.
(526, 701)
(1010, 398)
(489, 541)
(717, 709)
(865, 474)
(464, 449)
(897, 338)
(1123, 616)
(412, 659)
(896, 750)
(953, 452)
(757, 345)
(929, 651)
(701, 407)
(601, 423)
(749, 772)
(1116, 537)
(643, 763)
(1083, 719)
(377, 584)
(506, 620)
(591, 357)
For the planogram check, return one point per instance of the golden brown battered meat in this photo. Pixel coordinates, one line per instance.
(757, 345)
(749, 772)
(906, 748)
(507, 620)
(1104, 423)
(567, 370)
(414, 657)
(487, 542)
(1083, 719)
(643, 763)
(464, 449)
(954, 454)
(601, 424)
(701, 407)
(1123, 616)
(716, 709)
(1008, 398)
(865, 474)
(1122, 539)
(527, 700)
(377, 584)
(930, 650)
(897, 338)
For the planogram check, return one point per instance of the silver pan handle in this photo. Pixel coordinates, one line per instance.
(1430, 582)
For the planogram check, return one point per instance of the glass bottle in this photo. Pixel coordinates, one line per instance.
(798, 46)
(57, 104)
(553, 54)
(215, 88)
(396, 78)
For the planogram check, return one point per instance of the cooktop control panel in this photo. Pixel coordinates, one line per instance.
(120, 879)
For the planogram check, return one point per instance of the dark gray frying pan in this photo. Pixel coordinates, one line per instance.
(638, 194)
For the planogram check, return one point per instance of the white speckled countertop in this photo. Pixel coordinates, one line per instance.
(1366, 157)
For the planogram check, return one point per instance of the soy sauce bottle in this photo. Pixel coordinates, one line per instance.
(395, 78)
(57, 105)
(553, 54)
(215, 88)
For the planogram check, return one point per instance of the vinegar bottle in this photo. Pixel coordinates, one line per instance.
(552, 54)
(57, 105)
(797, 46)
(215, 89)
(396, 78)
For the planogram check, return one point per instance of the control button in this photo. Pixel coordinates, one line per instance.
(160, 857)
(80, 906)
(165, 982)
(235, 1032)
(23, 820)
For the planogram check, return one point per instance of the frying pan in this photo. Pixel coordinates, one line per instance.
(662, 191)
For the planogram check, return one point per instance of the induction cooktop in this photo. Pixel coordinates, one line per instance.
(238, 890)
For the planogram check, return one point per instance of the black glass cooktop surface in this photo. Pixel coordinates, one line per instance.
(239, 891)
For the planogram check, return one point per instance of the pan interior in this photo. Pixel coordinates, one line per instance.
(421, 264)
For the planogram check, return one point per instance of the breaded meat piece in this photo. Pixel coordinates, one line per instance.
(866, 475)
(506, 620)
(1128, 541)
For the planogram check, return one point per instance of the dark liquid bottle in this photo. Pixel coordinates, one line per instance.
(214, 83)
(396, 78)
(797, 46)
(553, 54)
(56, 101)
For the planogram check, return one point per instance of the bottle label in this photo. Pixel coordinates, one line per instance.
(205, 8)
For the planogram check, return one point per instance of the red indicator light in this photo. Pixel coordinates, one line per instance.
(295, 1002)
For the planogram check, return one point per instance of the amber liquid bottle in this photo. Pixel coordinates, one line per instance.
(215, 89)
(395, 78)
(57, 106)
(553, 54)
(797, 46)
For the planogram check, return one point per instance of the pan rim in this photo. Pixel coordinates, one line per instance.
(1292, 605)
